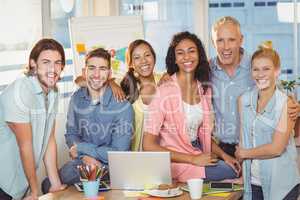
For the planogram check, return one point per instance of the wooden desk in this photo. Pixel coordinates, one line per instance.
(72, 194)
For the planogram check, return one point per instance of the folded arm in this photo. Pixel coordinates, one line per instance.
(150, 143)
(121, 133)
(279, 141)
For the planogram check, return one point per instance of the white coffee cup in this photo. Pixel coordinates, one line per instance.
(195, 187)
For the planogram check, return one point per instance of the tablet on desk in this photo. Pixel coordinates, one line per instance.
(102, 187)
(221, 186)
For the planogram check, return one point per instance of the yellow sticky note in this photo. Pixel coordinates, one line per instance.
(80, 48)
(115, 65)
(222, 194)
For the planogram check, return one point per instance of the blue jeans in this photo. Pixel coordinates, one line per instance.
(228, 148)
(4, 195)
(293, 194)
(68, 174)
(257, 193)
(219, 172)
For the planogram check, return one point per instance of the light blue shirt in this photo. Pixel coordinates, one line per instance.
(226, 91)
(23, 101)
(280, 174)
(97, 128)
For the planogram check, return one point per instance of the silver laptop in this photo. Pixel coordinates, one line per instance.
(134, 170)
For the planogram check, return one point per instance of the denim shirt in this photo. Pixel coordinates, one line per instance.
(280, 174)
(226, 91)
(100, 127)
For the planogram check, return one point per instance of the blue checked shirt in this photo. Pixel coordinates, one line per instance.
(226, 91)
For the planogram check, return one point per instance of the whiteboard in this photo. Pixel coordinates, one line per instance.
(113, 33)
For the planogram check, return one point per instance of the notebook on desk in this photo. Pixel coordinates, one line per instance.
(136, 170)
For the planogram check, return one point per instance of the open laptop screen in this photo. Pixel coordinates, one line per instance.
(135, 170)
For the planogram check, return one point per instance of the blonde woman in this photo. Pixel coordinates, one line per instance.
(267, 145)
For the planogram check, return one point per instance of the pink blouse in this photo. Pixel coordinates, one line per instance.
(167, 120)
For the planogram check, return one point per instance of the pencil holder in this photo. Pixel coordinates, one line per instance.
(90, 188)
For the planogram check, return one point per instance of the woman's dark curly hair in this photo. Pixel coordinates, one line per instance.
(129, 83)
(202, 73)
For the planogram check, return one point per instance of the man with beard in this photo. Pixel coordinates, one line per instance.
(96, 121)
(28, 108)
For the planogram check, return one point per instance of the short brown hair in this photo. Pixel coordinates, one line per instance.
(99, 53)
(43, 45)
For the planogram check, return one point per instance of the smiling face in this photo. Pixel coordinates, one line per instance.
(186, 56)
(264, 73)
(227, 40)
(48, 67)
(143, 60)
(97, 73)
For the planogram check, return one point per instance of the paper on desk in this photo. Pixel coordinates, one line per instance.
(48, 196)
(130, 193)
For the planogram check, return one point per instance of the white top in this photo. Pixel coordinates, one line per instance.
(255, 177)
(95, 101)
(145, 110)
(194, 118)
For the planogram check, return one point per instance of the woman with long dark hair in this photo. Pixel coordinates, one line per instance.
(180, 118)
(139, 84)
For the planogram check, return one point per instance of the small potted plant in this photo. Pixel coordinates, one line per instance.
(289, 87)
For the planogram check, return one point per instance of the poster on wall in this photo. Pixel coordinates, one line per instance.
(113, 33)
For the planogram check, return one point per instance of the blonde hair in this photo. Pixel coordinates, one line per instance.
(226, 20)
(265, 50)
